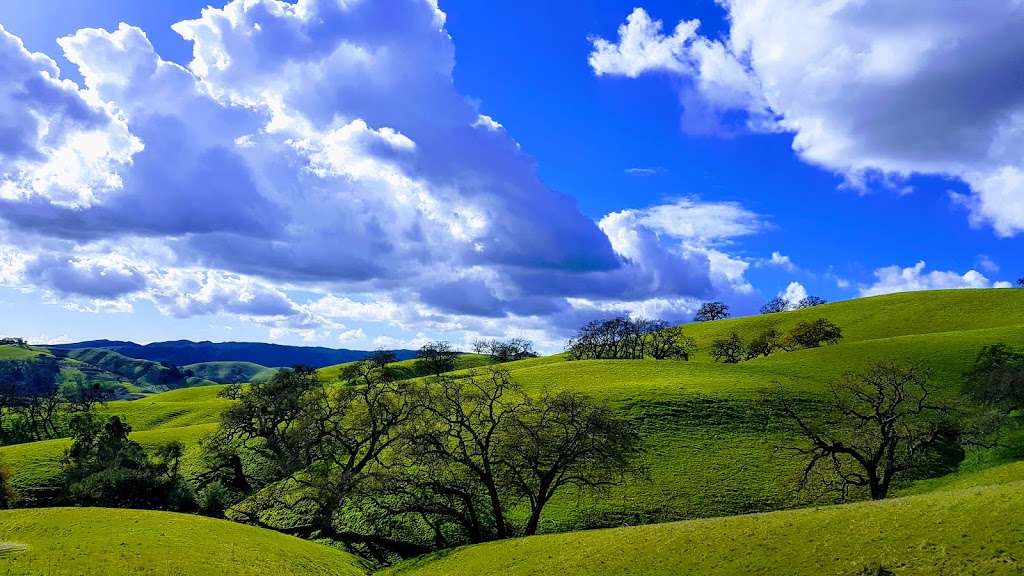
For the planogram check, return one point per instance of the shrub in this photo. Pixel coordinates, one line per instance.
(815, 333)
(728, 350)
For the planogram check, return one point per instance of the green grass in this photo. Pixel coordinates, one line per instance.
(11, 352)
(968, 531)
(97, 541)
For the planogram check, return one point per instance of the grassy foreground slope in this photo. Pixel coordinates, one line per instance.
(99, 541)
(968, 531)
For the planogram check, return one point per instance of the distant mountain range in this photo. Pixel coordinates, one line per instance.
(182, 352)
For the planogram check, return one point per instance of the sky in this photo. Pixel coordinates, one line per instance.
(379, 173)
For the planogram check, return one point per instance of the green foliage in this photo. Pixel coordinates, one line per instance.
(997, 377)
(729, 350)
(102, 542)
(764, 344)
(103, 467)
(815, 333)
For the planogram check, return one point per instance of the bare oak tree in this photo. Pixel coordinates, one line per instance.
(880, 426)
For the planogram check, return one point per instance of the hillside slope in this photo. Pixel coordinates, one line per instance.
(99, 542)
(971, 531)
(228, 372)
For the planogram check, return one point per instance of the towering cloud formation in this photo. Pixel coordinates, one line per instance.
(316, 146)
(869, 88)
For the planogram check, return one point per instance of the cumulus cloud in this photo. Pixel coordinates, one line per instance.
(318, 147)
(868, 88)
(794, 293)
(896, 279)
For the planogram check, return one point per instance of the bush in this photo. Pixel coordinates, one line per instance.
(815, 333)
(728, 350)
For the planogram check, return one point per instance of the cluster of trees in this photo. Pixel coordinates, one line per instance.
(394, 468)
(623, 338)
(35, 404)
(505, 350)
(780, 304)
(19, 342)
(806, 334)
(104, 467)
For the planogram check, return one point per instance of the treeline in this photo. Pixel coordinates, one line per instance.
(395, 468)
(623, 338)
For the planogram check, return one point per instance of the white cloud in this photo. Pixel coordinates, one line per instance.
(794, 293)
(895, 279)
(322, 148)
(869, 88)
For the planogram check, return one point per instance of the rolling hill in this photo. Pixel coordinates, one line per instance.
(956, 532)
(184, 352)
(228, 372)
(709, 440)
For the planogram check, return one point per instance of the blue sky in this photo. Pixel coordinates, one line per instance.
(677, 146)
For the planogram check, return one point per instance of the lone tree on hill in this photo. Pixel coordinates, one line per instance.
(777, 304)
(811, 301)
(712, 311)
(881, 426)
(1020, 282)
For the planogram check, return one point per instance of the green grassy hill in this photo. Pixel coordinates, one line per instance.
(711, 450)
(229, 372)
(11, 352)
(109, 368)
(957, 532)
(98, 542)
